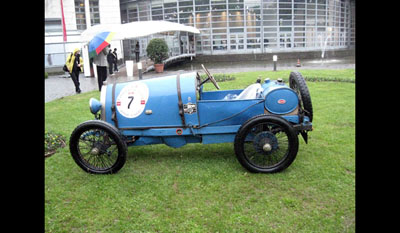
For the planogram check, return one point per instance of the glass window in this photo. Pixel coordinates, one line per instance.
(94, 12)
(236, 18)
(203, 20)
(157, 17)
(170, 10)
(170, 13)
(237, 6)
(156, 4)
(202, 8)
(124, 16)
(186, 13)
(219, 31)
(144, 11)
(236, 30)
(80, 14)
(53, 25)
(218, 7)
(157, 10)
(169, 3)
(53, 48)
(54, 60)
(269, 4)
(285, 5)
(201, 2)
(185, 3)
(132, 13)
(219, 45)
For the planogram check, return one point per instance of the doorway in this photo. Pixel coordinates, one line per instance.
(183, 42)
(236, 42)
(285, 40)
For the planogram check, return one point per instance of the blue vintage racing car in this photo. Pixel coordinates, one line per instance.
(263, 120)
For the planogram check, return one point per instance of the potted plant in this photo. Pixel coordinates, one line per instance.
(157, 51)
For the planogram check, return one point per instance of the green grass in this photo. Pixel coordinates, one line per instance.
(203, 188)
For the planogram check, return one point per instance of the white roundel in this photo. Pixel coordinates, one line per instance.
(132, 99)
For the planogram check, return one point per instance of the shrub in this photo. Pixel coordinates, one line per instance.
(329, 79)
(219, 77)
(46, 75)
(157, 50)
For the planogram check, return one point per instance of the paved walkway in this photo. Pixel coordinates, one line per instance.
(61, 85)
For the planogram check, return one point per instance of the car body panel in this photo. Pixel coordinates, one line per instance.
(161, 101)
(148, 111)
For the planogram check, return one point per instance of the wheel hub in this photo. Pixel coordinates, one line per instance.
(265, 143)
(99, 148)
(95, 151)
(267, 147)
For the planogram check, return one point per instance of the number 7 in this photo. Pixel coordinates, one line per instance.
(130, 97)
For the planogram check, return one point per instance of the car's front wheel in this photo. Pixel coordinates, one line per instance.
(97, 147)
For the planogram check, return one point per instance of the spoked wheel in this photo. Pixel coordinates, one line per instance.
(97, 147)
(266, 144)
(298, 84)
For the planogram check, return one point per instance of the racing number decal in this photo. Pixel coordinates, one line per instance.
(132, 99)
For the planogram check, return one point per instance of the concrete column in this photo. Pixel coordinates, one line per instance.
(129, 68)
(87, 13)
(86, 61)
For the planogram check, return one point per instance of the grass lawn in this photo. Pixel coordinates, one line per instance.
(203, 188)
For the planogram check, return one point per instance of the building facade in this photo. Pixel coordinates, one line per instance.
(254, 26)
(226, 26)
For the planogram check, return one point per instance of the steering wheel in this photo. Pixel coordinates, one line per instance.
(210, 77)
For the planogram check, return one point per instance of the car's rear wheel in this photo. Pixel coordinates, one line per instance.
(97, 147)
(266, 144)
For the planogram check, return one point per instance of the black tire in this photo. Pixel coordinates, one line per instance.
(260, 131)
(97, 147)
(298, 84)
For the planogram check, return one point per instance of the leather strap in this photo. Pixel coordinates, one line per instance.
(113, 110)
(180, 104)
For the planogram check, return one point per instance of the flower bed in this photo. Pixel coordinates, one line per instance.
(52, 142)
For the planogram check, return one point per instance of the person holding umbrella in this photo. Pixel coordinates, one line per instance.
(75, 65)
(98, 48)
(101, 62)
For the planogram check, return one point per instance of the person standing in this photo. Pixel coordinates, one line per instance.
(110, 60)
(101, 62)
(181, 47)
(115, 60)
(137, 51)
(75, 65)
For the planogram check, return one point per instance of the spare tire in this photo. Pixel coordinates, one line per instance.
(298, 84)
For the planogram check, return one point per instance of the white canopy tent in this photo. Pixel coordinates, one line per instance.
(135, 29)
(130, 31)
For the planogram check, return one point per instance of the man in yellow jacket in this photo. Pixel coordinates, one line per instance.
(75, 65)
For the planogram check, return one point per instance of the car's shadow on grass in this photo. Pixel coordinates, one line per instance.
(220, 156)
